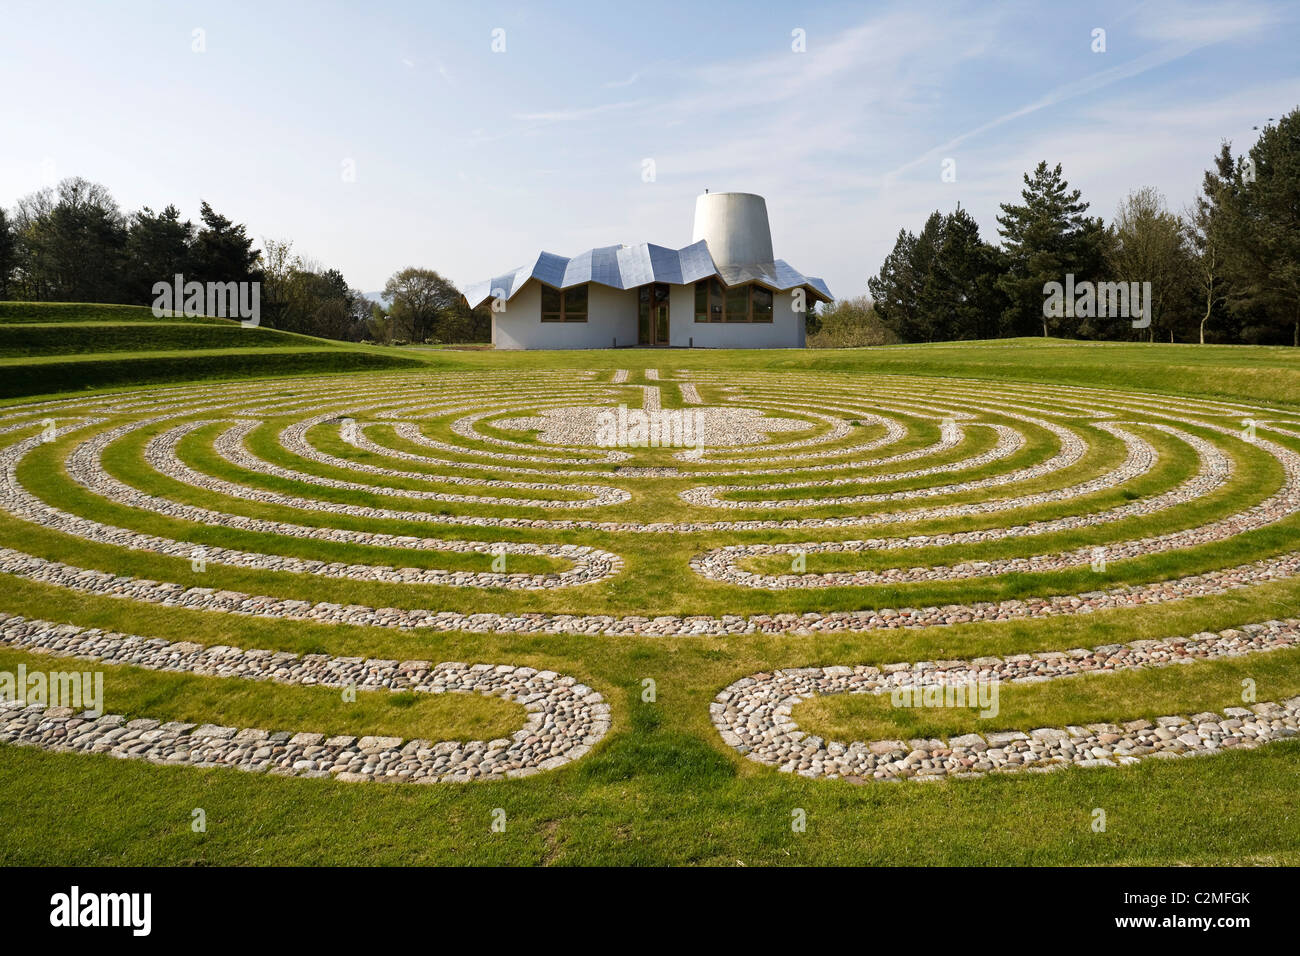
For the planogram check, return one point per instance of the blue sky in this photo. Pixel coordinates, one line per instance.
(470, 161)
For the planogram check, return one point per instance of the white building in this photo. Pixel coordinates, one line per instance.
(724, 290)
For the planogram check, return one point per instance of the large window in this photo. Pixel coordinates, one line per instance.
(715, 302)
(564, 305)
(708, 300)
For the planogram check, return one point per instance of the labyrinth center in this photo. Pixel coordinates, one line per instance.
(494, 503)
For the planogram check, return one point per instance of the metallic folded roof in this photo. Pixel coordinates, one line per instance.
(626, 267)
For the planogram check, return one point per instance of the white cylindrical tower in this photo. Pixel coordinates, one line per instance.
(735, 227)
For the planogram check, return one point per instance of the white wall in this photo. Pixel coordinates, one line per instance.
(611, 317)
(786, 330)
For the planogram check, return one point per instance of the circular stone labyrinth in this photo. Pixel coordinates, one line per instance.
(498, 502)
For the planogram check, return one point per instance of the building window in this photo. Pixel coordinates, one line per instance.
(564, 305)
(708, 300)
(742, 303)
(737, 304)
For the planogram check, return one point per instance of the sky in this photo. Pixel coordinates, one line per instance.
(467, 137)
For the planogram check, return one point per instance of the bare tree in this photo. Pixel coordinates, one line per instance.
(1150, 246)
(1205, 239)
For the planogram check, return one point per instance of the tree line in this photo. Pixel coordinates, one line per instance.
(73, 243)
(1226, 269)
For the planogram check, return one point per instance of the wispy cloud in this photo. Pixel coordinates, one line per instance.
(1190, 38)
(576, 114)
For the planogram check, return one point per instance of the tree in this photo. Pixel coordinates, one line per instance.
(893, 289)
(72, 244)
(379, 327)
(421, 300)
(1206, 228)
(850, 323)
(8, 254)
(222, 251)
(1262, 206)
(941, 284)
(277, 265)
(1150, 246)
(301, 295)
(157, 249)
(1045, 237)
(968, 272)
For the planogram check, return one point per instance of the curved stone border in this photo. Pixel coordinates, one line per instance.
(160, 453)
(593, 566)
(720, 564)
(601, 624)
(589, 564)
(293, 439)
(230, 446)
(753, 714)
(1009, 441)
(89, 581)
(410, 432)
(678, 527)
(894, 432)
(555, 457)
(565, 718)
(713, 425)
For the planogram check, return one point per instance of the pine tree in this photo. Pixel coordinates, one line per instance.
(157, 249)
(893, 289)
(1044, 238)
(222, 251)
(969, 268)
(1263, 207)
(941, 284)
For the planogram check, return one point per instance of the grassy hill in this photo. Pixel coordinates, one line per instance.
(48, 347)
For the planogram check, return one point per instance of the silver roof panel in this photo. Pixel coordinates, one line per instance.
(626, 267)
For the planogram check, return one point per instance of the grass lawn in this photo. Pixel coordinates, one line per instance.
(661, 787)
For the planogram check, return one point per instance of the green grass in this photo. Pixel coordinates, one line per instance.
(69, 338)
(244, 703)
(662, 787)
(1084, 699)
(23, 313)
(55, 347)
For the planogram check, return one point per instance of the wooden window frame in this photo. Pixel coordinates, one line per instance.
(730, 318)
(753, 315)
(724, 315)
(563, 314)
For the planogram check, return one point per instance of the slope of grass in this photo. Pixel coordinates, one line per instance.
(55, 347)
